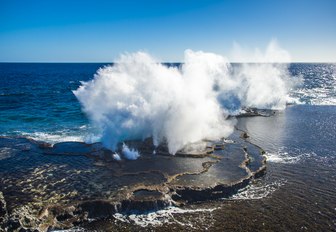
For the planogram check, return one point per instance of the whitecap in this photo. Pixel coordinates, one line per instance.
(285, 157)
(53, 138)
(255, 191)
(160, 217)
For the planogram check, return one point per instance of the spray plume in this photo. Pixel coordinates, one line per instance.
(138, 97)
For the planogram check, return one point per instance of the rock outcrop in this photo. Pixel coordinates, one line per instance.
(57, 187)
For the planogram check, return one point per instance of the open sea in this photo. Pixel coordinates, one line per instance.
(298, 192)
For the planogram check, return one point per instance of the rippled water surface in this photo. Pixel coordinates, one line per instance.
(36, 100)
(297, 193)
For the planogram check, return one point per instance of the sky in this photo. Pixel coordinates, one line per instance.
(100, 30)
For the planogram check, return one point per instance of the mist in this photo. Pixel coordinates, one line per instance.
(138, 97)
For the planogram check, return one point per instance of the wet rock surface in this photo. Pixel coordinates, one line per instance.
(45, 187)
(252, 112)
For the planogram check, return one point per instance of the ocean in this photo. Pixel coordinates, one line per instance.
(298, 191)
(36, 100)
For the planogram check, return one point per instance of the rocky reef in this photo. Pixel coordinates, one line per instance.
(44, 186)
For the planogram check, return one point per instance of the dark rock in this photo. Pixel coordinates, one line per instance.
(244, 135)
(99, 208)
(253, 112)
(217, 192)
(13, 224)
(57, 187)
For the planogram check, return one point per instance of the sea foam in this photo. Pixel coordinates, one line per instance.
(138, 97)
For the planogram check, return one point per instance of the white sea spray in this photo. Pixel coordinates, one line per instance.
(138, 97)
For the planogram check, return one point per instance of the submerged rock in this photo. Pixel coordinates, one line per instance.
(244, 135)
(58, 187)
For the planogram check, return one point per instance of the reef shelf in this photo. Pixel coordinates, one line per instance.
(44, 186)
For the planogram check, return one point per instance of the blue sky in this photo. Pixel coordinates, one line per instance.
(98, 31)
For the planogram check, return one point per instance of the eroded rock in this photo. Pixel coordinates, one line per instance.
(58, 187)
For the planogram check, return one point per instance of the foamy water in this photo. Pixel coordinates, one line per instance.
(284, 157)
(55, 137)
(258, 191)
(254, 191)
(316, 96)
(160, 217)
(318, 86)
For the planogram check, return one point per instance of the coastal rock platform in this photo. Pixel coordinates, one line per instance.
(44, 186)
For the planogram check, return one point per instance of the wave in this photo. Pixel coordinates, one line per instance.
(285, 157)
(315, 96)
(56, 137)
(160, 217)
(258, 191)
(138, 97)
(318, 86)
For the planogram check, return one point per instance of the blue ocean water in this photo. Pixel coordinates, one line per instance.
(36, 99)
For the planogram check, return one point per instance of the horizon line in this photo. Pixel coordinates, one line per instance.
(163, 62)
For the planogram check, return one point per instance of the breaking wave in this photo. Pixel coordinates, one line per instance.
(138, 97)
(258, 191)
(160, 217)
(55, 137)
(319, 85)
(283, 157)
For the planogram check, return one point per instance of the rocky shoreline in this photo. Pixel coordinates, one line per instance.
(60, 186)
